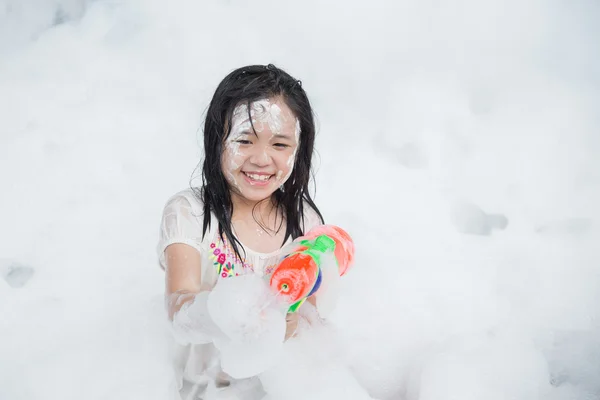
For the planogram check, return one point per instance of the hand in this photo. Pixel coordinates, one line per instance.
(192, 323)
(291, 320)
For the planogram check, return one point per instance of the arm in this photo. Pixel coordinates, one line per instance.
(311, 312)
(183, 277)
(186, 297)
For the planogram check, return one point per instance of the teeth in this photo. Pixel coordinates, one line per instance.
(259, 177)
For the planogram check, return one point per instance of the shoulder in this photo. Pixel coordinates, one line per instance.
(183, 212)
(184, 202)
(186, 197)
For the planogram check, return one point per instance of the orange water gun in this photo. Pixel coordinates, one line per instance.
(300, 274)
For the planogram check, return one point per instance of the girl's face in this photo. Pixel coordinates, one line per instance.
(257, 162)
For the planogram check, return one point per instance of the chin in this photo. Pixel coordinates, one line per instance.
(256, 196)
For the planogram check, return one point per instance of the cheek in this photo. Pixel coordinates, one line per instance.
(289, 162)
(286, 161)
(285, 165)
(232, 158)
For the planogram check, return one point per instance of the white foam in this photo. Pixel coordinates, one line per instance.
(253, 323)
(491, 103)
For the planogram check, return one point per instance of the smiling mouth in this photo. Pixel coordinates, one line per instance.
(258, 178)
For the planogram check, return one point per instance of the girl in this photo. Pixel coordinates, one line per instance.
(258, 143)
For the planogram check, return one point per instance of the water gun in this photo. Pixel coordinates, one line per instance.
(301, 272)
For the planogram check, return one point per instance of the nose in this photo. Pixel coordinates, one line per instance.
(260, 157)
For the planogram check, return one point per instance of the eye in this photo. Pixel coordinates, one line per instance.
(242, 141)
(281, 145)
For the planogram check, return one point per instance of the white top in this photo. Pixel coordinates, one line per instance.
(182, 222)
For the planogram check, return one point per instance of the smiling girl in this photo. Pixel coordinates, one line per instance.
(258, 143)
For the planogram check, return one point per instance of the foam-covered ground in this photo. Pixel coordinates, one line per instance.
(457, 143)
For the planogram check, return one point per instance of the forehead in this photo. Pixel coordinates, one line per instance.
(267, 113)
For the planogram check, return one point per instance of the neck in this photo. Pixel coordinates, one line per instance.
(263, 209)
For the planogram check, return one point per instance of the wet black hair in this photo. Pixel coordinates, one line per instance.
(244, 86)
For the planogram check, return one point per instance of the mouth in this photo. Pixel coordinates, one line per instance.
(258, 178)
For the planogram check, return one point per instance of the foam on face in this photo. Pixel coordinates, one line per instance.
(262, 113)
(233, 148)
(292, 158)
